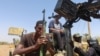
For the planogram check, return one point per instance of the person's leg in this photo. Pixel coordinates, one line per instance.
(58, 39)
(91, 52)
(97, 48)
(63, 40)
(55, 43)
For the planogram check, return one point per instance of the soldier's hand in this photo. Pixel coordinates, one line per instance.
(41, 41)
(44, 40)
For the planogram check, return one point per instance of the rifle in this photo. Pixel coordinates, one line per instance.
(44, 34)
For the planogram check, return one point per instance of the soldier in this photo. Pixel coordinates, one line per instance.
(90, 52)
(56, 28)
(30, 43)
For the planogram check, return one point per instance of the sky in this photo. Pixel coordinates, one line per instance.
(25, 13)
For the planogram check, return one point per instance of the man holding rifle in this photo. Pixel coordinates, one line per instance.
(30, 43)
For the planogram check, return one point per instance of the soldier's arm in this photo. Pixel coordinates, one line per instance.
(21, 50)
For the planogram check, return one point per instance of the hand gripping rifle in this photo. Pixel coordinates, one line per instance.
(43, 35)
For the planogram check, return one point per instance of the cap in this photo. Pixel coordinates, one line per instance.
(77, 35)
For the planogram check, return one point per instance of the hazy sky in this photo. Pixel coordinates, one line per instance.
(25, 13)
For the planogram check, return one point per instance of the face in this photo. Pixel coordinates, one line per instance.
(39, 29)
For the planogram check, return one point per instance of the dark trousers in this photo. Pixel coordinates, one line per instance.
(59, 40)
(91, 52)
(97, 48)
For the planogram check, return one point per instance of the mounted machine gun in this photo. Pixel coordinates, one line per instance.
(73, 12)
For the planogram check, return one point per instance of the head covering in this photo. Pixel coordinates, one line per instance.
(77, 37)
(92, 42)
